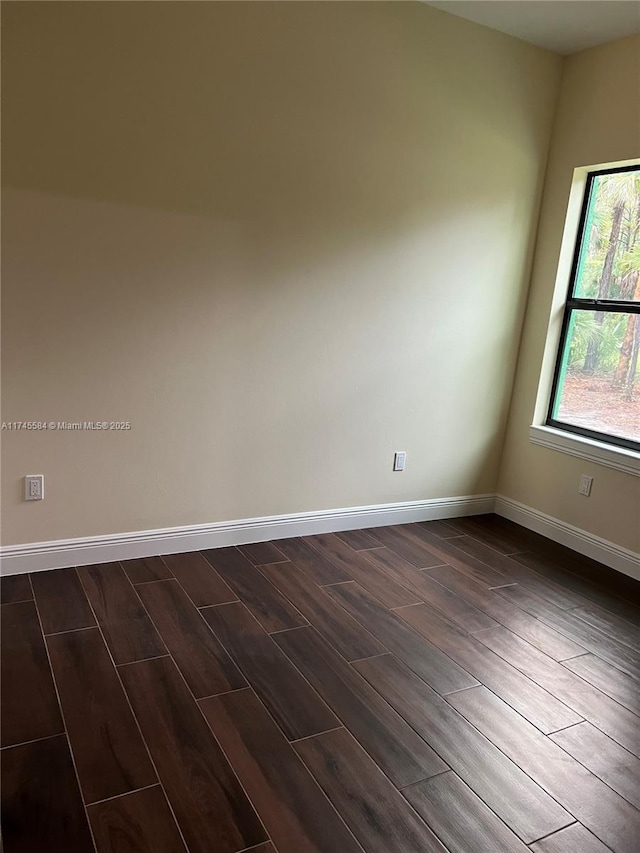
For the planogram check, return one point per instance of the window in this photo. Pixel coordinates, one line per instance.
(596, 383)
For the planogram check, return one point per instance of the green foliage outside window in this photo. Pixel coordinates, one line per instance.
(598, 383)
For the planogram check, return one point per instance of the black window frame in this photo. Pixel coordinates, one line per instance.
(574, 303)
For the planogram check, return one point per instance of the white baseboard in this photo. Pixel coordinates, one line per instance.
(62, 553)
(612, 555)
(59, 554)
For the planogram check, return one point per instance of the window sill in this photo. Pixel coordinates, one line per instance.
(586, 448)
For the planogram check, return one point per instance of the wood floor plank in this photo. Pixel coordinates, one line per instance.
(146, 569)
(586, 700)
(447, 551)
(514, 570)
(609, 623)
(532, 701)
(367, 573)
(511, 794)
(460, 818)
(408, 545)
(29, 702)
(140, 822)
(297, 816)
(557, 562)
(461, 524)
(347, 675)
(499, 533)
(524, 624)
(210, 806)
(573, 839)
(593, 580)
(604, 758)
(62, 604)
(480, 550)
(332, 621)
(390, 741)
(41, 804)
(359, 540)
(598, 582)
(127, 629)
(604, 812)
(425, 659)
(294, 704)
(199, 579)
(261, 553)
(618, 685)
(377, 814)
(441, 529)
(396, 567)
(457, 609)
(14, 588)
(321, 570)
(271, 609)
(110, 755)
(199, 655)
(582, 591)
(529, 600)
(590, 638)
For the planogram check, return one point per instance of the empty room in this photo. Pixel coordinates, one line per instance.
(320, 444)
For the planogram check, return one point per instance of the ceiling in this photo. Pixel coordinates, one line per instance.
(564, 26)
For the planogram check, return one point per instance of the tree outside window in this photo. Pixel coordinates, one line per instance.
(596, 389)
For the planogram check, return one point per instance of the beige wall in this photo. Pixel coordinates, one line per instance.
(597, 122)
(283, 240)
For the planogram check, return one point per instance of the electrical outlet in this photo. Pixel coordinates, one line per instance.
(34, 487)
(585, 485)
(399, 460)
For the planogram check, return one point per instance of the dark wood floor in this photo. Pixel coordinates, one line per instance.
(461, 686)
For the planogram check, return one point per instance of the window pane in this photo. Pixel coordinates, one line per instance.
(609, 264)
(599, 383)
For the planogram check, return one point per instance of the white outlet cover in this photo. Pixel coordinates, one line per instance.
(34, 487)
(399, 460)
(585, 485)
